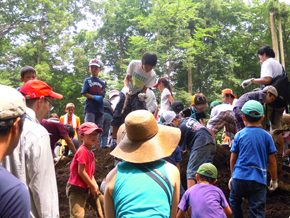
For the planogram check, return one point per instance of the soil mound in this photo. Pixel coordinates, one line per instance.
(277, 202)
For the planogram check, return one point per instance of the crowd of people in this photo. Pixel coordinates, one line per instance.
(148, 143)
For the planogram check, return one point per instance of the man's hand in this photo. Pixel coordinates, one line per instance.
(142, 96)
(246, 83)
(230, 183)
(98, 98)
(287, 153)
(273, 185)
(95, 191)
(125, 90)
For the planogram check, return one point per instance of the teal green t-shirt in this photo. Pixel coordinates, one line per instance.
(136, 194)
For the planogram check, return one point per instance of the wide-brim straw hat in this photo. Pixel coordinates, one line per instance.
(142, 140)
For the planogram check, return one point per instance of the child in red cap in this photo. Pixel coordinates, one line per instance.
(82, 187)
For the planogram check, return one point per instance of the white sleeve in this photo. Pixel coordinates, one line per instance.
(130, 68)
(166, 92)
(41, 172)
(151, 80)
(266, 70)
(214, 112)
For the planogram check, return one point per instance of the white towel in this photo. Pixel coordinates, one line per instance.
(74, 121)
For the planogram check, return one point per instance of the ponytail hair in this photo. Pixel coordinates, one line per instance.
(166, 83)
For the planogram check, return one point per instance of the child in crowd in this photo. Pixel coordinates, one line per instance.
(253, 148)
(199, 102)
(205, 199)
(140, 76)
(267, 95)
(93, 90)
(27, 73)
(82, 187)
(166, 96)
(70, 118)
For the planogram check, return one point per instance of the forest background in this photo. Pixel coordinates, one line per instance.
(202, 45)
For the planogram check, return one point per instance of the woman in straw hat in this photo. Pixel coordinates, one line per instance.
(143, 185)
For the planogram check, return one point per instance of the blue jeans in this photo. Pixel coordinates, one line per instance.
(254, 191)
(198, 157)
(103, 138)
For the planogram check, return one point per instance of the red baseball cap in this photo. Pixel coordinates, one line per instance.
(228, 91)
(37, 88)
(88, 127)
(160, 79)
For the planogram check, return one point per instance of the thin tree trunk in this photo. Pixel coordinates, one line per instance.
(121, 56)
(274, 36)
(281, 41)
(189, 81)
(169, 68)
(40, 39)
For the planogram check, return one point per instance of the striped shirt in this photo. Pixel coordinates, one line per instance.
(32, 163)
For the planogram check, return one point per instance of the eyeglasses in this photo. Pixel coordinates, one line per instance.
(51, 107)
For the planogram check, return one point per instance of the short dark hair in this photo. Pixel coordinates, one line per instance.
(26, 69)
(54, 115)
(70, 130)
(252, 119)
(149, 58)
(30, 102)
(206, 178)
(266, 49)
(5, 125)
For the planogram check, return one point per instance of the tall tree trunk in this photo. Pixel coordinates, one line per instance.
(274, 35)
(281, 41)
(189, 81)
(40, 39)
(169, 68)
(121, 56)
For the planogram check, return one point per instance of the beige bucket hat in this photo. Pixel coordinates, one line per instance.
(142, 140)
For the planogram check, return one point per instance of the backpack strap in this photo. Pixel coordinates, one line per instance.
(153, 176)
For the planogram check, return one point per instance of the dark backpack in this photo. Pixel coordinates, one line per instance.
(282, 84)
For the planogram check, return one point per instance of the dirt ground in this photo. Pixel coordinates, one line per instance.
(278, 202)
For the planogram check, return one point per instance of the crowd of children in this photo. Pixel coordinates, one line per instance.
(144, 147)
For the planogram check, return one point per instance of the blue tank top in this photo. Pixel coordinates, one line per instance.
(136, 194)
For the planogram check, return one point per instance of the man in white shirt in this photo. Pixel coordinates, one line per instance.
(31, 161)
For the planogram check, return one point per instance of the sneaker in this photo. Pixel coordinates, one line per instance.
(107, 146)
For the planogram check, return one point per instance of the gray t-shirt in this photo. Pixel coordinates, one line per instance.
(258, 95)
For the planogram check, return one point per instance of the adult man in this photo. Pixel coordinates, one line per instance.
(270, 70)
(199, 142)
(32, 161)
(70, 118)
(13, 193)
(229, 97)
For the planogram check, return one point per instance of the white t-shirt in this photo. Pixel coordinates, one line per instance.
(220, 108)
(165, 103)
(139, 78)
(151, 101)
(271, 68)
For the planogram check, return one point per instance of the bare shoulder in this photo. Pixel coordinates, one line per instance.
(111, 179)
(172, 172)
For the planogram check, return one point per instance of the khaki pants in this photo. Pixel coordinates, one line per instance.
(78, 197)
(275, 116)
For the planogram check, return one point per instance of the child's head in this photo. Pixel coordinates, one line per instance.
(27, 73)
(212, 105)
(149, 60)
(252, 111)
(70, 130)
(95, 67)
(89, 132)
(54, 115)
(199, 102)
(271, 94)
(207, 172)
(177, 106)
(163, 83)
(170, 117)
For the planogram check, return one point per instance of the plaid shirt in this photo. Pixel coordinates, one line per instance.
(32, 163)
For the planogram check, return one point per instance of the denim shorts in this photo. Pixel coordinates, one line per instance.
(198, 157)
